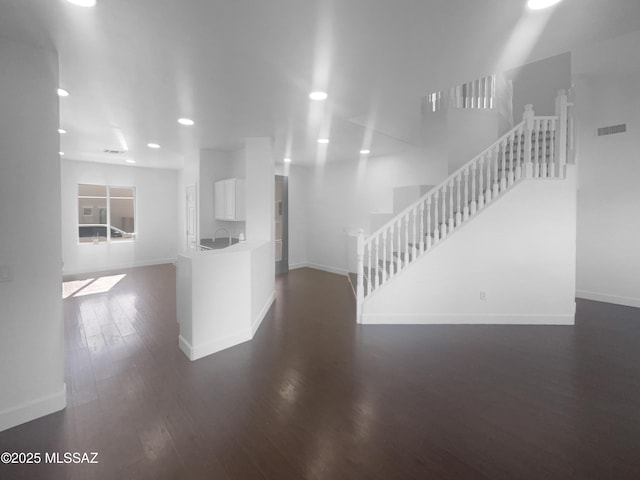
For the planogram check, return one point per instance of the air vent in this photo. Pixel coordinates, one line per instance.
(113, 152)
(613, 129)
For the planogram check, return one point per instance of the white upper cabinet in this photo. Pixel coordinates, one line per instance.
(229, 199)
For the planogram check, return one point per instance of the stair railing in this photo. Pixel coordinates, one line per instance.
(535, 148)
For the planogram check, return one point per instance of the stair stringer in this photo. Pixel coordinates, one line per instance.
(519, 250)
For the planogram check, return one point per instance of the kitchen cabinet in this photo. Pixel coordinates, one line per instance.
(229, 199)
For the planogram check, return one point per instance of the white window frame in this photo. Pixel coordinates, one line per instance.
(108, 198)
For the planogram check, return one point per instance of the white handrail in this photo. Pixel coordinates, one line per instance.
(445, 181)
(534, 148)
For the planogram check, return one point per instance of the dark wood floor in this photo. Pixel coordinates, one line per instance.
(315, 396)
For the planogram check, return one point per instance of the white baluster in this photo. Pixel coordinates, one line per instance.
(496, 180)
(552, 148)
(465, 209)
(390, 251)
(467, 90)
(443, 225)
(536, 149)
(414, 241)
(563, 131)
(398, 241)
(369, 284)
(392, 263)
(377, 261)
(521, 156)
(422, 227)
(480, 185)
(487, 192)
(543, 172)
(451, 207)
(384, 256)
(406, 239)
(529, 129)
(458, 199)
(503, 147)
(515, 149)
(436, 233)
(428, 222)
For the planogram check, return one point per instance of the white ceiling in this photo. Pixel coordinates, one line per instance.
(243, 68)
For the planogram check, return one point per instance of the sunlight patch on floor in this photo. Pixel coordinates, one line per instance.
(90, 286)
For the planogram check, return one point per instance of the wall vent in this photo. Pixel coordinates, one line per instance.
(611, 130)
(112, 151)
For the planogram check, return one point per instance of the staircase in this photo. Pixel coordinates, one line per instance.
(538, 148)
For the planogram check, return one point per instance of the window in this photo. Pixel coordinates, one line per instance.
(105, 213)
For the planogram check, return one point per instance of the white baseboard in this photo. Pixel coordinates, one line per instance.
(295, 266)
(317, 266)
(109, 268)
(34, 409)
(208, 348)
(608, 298)
(228, 341)
(255, 324)
(468, 319)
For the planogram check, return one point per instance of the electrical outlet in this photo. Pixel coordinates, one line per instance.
(483, 295)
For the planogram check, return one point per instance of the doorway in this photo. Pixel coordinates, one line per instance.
(281, 224)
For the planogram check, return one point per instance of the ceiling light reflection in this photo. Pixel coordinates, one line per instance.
(318, 96)
(83, 3)
(540, 4)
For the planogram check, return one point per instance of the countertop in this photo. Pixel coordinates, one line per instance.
(217, 243)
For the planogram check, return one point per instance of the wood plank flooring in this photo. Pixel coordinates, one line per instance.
(315, 396)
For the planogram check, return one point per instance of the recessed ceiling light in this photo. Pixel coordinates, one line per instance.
(62, 130)
(60, 153)
(128, 160)
(318, 95)
(153, 145)
(323, 140)
(540, 4)
(185, 121)
(62, 92)
(365, 152)
(83, 3)
(287, 160)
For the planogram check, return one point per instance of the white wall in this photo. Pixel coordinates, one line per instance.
(606, 93)
(469, 132)
(299, 179)
(339, 198)
(538, 83)
(519, 251)
(156, 217)
(31, 342)
(259, 189)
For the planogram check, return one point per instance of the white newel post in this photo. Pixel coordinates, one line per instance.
(562, 105)
(527, 119)
(360, 280)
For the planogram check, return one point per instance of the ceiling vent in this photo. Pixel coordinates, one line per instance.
(113, 152)
(613, 129)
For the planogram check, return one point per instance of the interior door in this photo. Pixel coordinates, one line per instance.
(281, 224)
